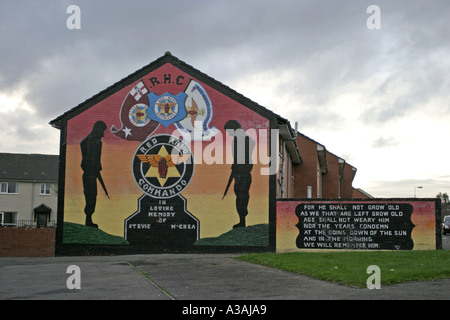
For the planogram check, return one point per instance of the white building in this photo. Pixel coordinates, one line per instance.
(28, 189)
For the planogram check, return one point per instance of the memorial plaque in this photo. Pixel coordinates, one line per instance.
(162, 167)
(162, 223)
(354, 225)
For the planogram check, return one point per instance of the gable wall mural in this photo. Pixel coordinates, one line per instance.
(170, 160)
(167, 162)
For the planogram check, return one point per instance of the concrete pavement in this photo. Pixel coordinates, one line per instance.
(183, 277)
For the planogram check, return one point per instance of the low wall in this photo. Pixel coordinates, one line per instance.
(27, 242)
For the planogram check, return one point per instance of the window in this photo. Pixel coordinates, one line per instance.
(45, 188)
(9, 218)
(9, 187)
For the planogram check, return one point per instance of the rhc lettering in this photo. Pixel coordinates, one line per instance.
(167, 78)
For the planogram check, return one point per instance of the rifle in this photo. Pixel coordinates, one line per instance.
(103, 184)
(228, 184)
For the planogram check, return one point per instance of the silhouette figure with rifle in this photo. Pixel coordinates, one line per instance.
(91, 151)
(242, 149)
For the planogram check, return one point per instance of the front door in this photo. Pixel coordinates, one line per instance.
(41, 220)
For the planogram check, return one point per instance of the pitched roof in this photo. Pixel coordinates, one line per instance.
(166, 58)
(29, 167)
(286, 130)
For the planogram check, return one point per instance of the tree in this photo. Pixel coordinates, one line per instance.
(444, 197)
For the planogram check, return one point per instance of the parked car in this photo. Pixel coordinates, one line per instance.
(446, 225)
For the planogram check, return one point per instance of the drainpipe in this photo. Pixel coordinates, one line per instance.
(32, 199)
(283, 161)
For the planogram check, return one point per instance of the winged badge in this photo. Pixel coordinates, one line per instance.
(163, 163)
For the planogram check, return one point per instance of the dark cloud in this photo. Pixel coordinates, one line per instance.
(326, 42)
(310, 51)
(248, 35)
(30, 32)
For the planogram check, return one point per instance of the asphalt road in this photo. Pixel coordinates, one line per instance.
(183, 277)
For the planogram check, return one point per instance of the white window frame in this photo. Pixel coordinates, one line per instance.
(5, 187)
(46, 187)
(1, 218)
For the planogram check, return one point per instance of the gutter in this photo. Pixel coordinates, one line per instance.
(283, 154)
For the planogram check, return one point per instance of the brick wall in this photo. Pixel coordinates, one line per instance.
(27, 242)
(347, 189)
(306, 173)
(330, 179)
(358, 194)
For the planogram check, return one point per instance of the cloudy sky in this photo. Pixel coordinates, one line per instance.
(377, 97)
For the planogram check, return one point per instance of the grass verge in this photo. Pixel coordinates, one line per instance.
(78, 234)
(350, 268)
(255, 235)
